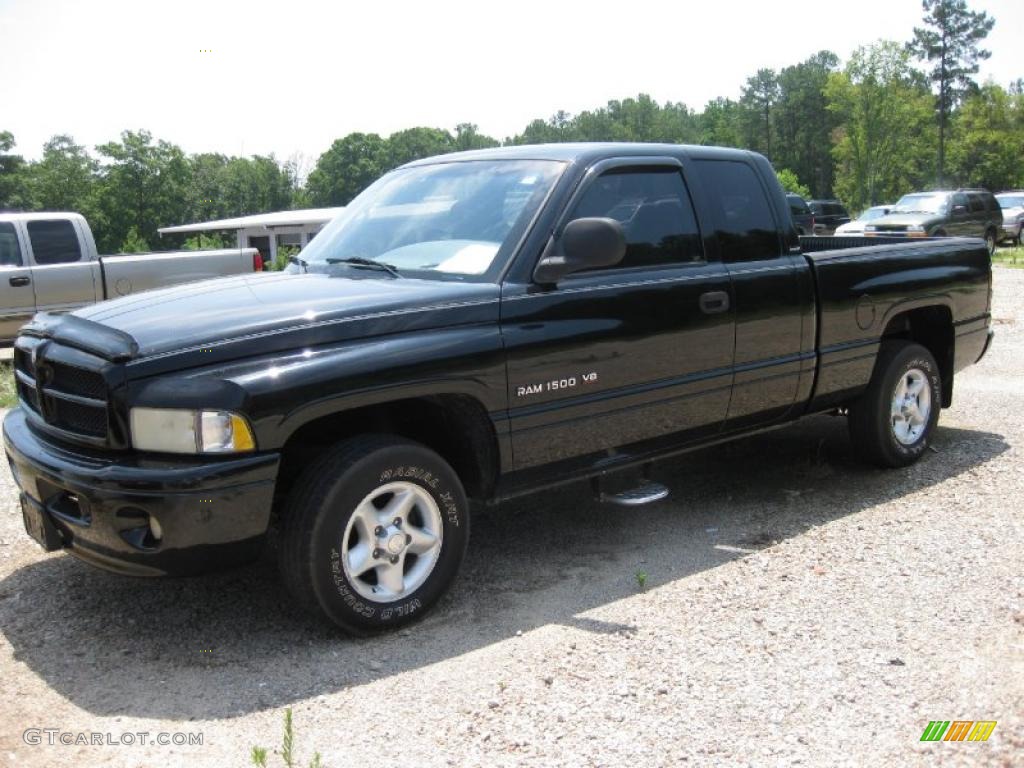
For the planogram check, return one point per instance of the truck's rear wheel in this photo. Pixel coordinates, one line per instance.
(374, 533)
(892, 422)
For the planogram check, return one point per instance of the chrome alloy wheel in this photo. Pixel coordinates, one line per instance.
(392, 541)
(911, 406)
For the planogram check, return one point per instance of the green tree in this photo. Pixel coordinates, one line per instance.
(791, 183)
(415, 143)
(64, 179)
(884, 107)
(143, 185)
(12, 175)
(133, 242)
(760, 95)
(986, 140)
(467, 136)
(951, 42)
(721, 123)
(803, 125)
(349, 166)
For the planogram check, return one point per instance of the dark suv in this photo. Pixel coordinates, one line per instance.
(962, 212)
(803, 217)
(828, 215)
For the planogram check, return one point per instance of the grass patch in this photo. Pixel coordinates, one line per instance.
(8, 395)
(1009, 257)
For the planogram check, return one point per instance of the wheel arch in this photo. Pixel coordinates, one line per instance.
(931, 326)
(456, 426)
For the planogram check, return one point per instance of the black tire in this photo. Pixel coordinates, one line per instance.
(316, 517)
(870, 417)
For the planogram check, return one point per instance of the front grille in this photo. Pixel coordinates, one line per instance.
(78, 381)
(75, 417)
(72, 396)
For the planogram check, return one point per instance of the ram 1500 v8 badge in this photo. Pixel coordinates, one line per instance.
(474, 327)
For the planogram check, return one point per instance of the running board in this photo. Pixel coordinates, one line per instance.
(635, 497)
(646, 493)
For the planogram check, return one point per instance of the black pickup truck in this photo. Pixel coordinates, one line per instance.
(474, 327)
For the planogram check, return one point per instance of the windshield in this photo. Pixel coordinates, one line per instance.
(873, 213)
(921, 204)
(1010, 201)
(443, 221)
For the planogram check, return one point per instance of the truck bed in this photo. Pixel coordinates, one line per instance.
(863, 282)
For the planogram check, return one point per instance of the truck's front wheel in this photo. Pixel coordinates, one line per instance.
(374, 533)
(891, 423)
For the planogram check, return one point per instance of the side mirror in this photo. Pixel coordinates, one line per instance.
(959, 210)
(589, 243)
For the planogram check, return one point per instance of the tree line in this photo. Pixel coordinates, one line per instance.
(865, 131)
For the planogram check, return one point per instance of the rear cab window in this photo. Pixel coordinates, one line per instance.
(54, 242)
(740, 210)
(10, 250)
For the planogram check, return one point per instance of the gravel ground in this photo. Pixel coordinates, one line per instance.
(799, 609)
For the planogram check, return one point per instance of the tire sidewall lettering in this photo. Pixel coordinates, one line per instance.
(329, 572)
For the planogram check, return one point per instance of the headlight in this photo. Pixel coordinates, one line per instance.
(176, 431)
(915, 228)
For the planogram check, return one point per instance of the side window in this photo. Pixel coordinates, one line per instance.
(959, 199)
(10, 253)
(977, 203)
(740, 209)
(655, 211)
(54, 242)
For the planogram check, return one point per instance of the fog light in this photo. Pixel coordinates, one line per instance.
(154, 529)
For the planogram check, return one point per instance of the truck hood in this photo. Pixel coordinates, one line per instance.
(904, 220)
(283, 311)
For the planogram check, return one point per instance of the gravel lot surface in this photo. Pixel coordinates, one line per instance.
(799, 609)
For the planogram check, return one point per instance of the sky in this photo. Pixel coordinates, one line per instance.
(290, 76)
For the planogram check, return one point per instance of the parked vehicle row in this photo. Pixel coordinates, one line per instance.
(49, 263)
(474, 326)
(944, 213)
(962, 212)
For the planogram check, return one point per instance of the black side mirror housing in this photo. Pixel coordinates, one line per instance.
(588, 243)
(959, 210)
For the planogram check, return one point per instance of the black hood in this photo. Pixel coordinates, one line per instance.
(281, 310)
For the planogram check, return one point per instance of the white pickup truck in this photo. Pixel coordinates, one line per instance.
(48, 263)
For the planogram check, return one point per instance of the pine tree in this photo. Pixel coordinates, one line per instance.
(951, 39)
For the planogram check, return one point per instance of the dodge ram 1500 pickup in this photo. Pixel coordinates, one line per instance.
(50, 264)
(474, 327)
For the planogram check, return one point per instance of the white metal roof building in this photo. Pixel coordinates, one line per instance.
(265, 231)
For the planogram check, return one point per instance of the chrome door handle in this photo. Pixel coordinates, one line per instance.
(713, 302)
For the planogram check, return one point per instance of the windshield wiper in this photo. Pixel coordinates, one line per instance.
(359, 261)
(299, 262)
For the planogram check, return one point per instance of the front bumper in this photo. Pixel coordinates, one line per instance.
(210, 513)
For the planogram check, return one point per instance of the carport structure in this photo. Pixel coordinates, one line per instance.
(265, 231)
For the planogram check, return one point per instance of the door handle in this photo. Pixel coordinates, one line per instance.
(713, 302)
(19, 281)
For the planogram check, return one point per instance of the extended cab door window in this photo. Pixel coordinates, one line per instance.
(742, 217)
(17, 298)
(54, 242)
(63, 279)
(655, 211)
(774, 351)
